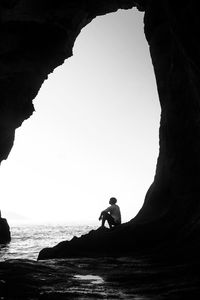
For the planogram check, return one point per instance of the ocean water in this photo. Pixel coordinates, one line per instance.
(28, 239)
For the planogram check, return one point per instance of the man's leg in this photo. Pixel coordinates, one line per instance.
(107, 217)
(103, 218)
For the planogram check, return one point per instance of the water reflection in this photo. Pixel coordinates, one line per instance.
(28, 239)
(94, 279)
(4, 248)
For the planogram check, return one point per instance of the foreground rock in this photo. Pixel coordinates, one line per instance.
(4, 231)
(95, 243)
(102, 278)
(126, 240)
(120, 241)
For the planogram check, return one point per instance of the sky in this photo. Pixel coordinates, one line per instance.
(94, 134)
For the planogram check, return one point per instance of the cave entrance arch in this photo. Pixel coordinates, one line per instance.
(133, 175)
(37, 38)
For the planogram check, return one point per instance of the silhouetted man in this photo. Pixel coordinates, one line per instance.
(111, 214)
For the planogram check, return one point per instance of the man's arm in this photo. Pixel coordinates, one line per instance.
(108, 209)
(105, 210)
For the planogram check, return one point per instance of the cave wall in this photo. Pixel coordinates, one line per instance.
(172, 32)
(37, 36)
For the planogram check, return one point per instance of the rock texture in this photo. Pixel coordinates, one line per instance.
(103, 278)
(37, 36)
(4, 231)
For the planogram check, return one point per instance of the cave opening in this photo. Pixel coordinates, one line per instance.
(94, 133)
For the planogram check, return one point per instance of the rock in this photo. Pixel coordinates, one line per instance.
(89, 245)
(5, 236)
(100, 278)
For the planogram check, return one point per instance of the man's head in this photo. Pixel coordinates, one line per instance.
(112, 200)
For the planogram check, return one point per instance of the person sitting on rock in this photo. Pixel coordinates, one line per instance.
(111, 214)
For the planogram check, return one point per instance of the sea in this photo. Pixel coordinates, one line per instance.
(28, 239)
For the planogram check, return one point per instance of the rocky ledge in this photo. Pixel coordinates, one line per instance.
(102, 278)
(4, 231)
(125, 240)
(120, 241)
(94, 244)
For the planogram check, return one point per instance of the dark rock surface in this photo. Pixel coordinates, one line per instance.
(37, 36)
(4, 231)
(100, 278)
(101, 242)
(124, 240)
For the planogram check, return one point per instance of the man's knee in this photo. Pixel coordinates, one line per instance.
(104, 214)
